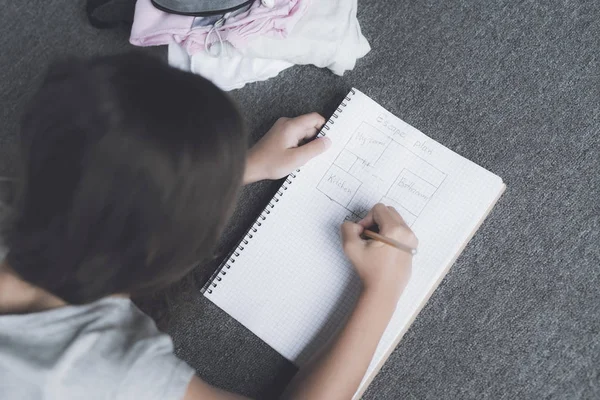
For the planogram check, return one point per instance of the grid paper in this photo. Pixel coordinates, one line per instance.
(292, 285)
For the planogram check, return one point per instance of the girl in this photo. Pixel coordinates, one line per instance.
(131, 170)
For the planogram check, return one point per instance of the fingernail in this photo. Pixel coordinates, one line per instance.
(327, 142)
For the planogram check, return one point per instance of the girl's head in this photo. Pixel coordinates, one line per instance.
(131, 169)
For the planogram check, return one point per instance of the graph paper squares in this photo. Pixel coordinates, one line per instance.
(368, 170)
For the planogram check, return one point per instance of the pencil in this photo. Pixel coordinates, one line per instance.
(388, 241)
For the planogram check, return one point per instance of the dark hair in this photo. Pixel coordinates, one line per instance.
(131, 170)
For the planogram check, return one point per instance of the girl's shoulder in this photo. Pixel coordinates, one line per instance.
(105, 349)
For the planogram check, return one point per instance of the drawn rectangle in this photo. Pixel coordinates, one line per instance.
(338, 185)
(368, 143)
(426, 170)
(409, 217)
(411, 191)
(364, 171)
(364, 199)
(345, 160)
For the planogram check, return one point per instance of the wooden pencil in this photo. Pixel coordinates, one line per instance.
(388, 241)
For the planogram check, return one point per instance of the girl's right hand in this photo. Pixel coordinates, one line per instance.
(382, 268)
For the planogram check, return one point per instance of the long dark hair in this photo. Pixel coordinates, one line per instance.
(131, 169)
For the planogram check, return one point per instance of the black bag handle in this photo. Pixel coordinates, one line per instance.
(125, 9)
(200, 8)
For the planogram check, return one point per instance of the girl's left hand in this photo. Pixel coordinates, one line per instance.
(281, 150)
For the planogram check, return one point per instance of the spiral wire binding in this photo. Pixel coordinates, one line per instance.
(217, 277)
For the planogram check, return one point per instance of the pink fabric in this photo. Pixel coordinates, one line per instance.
(152, 27)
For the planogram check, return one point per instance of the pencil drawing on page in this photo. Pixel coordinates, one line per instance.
(375, 167)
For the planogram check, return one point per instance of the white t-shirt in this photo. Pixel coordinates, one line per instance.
(108, 349)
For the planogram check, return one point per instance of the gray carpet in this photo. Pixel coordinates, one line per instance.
(511, 85)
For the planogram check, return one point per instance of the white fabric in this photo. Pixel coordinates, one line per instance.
(228, 72)
(107, 349)
(327, 35)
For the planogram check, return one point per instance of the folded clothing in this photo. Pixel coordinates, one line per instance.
(152, 27)
(327, 35)
(228, 72)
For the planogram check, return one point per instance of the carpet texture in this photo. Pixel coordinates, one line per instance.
(513, 86)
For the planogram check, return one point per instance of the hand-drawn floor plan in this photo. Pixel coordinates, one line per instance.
(373, 167)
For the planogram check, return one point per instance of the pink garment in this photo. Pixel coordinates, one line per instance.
(152, 27)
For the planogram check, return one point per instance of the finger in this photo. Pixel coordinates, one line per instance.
(382, 215)
(310, 120)
(396, 215)
(390, 223)
(371, 219)
(351, 239)
(310, 150)
(308, 125)
(367, 221)
(397, 228)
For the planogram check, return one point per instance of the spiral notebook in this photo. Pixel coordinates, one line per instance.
(288, 280)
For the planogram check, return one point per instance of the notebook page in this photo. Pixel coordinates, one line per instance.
(292, 286)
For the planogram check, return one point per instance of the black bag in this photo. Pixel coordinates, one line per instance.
(200, 8)
(112, 13)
